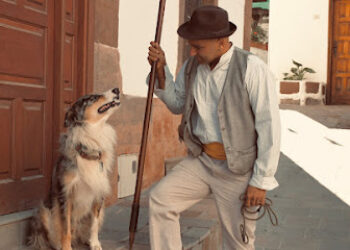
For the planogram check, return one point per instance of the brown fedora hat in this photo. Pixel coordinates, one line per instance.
(207, 22)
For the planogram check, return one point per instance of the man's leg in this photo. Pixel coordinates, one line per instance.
(227, 189)
(180, 189)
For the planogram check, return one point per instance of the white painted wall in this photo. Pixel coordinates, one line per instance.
(235, 9)
(299, 30)
(137, 24)
(137, 27)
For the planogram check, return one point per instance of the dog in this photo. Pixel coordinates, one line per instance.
(74, 211)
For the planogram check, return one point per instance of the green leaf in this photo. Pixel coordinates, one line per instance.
(294, 70)
(309, 70)
(297, 64)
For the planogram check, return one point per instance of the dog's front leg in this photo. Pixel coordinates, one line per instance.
(66, 202)
(66, 235)
(96, 217)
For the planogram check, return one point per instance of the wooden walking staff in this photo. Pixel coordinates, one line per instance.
(137, 194)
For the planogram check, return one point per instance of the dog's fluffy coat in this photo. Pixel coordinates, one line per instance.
(80, 180)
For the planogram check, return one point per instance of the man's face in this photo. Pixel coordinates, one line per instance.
(206, 51)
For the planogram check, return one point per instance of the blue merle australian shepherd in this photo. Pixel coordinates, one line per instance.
(80, 182)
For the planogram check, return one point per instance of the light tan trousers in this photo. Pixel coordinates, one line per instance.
(190, 181)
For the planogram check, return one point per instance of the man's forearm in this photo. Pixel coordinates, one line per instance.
(161, 78)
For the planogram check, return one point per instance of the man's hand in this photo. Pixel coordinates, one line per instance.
(255, 196)
(156, 54)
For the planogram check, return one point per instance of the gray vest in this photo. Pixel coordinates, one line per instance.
(236, 117)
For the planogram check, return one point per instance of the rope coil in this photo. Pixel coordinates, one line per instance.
(245, 212)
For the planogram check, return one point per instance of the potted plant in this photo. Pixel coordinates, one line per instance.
(295, 90)
(298, 72)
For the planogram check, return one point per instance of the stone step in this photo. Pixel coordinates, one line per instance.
(198, 229)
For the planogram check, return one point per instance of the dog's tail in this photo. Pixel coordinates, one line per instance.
(39, 229)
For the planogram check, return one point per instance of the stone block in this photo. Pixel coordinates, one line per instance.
(107, 73)
(312, 87)
(10, 234)
(312, 101)
(290, 101)
(106, 22)
(289, 87)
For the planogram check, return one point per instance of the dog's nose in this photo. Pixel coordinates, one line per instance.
(115, 91)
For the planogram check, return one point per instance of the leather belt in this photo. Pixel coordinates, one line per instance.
(215, 150)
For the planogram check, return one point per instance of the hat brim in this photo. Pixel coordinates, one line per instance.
(185, 32)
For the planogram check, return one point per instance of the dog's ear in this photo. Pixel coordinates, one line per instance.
(70, 118)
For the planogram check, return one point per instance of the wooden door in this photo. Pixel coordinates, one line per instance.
(46, 55)
(26, 84)
(340, 53)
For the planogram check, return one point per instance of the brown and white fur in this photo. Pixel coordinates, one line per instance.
(74, 212)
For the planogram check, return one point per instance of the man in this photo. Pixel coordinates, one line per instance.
(230, 125)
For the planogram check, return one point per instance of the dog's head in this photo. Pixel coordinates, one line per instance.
(92, 108)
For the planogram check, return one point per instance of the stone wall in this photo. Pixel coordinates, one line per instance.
(302, 92)
(163, 140)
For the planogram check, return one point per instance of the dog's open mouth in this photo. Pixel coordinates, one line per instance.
(108, 105)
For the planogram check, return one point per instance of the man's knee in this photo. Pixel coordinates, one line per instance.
(157, 200)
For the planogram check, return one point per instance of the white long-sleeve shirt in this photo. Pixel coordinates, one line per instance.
(208, 85)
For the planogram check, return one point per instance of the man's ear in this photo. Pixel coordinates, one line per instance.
(222, 42)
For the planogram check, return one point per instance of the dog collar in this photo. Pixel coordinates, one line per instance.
(80, 149)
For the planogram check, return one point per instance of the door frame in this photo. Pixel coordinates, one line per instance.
(330, 45)
(85, 62)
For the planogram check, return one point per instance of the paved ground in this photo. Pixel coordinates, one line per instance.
(332, 116)
(311, 216)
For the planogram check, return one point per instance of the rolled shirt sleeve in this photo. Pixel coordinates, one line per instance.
(174, 93)
(261, 87)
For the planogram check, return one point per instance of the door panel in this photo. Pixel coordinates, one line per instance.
(340, 78)
(70, 53)
(6, 135)
(26, 83)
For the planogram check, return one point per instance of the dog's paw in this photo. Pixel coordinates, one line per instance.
(95, 246)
